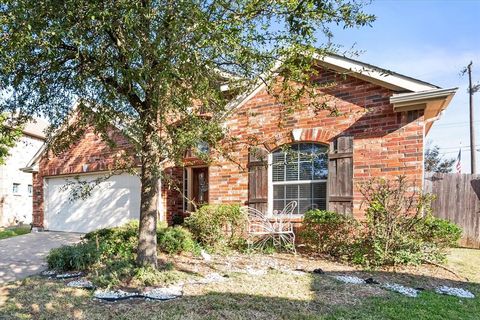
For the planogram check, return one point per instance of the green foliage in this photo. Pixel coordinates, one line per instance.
(440, 232)
(175, 240)
(9, 135)
(218, 227)
(109, 254)
(153, 277)
(79, 256)
(398, 229)
(328, 232)
(15, 231)
(116, 243)
(113, 273)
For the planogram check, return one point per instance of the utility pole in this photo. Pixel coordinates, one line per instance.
(473, 156)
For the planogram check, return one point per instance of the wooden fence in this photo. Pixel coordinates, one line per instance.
(458, 200)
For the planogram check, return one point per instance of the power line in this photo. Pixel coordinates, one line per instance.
(458, 147)
(454, 123)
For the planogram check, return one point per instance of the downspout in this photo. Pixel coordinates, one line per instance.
(423, 148)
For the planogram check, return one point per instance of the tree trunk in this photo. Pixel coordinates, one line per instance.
(147, 237)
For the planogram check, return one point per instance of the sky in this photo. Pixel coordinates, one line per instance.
(431, 41)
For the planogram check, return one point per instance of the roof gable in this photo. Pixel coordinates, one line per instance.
(385, 78)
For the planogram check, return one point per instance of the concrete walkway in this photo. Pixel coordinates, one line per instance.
(22, 256)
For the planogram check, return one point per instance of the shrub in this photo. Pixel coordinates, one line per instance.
(438, 235)
(111, 252)
(441, 232)
(116, 243)
(218, 226)
(74, 257)
(153, 277)
(328, 232)
(175, 240)
(399, 228)
(113, 272)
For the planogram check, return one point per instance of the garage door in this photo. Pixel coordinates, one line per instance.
(111, 203)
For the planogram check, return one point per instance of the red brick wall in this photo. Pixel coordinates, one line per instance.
(386, 143)
(172, 187)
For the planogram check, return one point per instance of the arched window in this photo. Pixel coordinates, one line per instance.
(299, 173)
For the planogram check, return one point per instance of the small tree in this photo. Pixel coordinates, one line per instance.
(159, 69)
(434, 162)
(9, 135)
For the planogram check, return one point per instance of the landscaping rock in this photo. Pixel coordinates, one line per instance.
(407, 291)
(116, 295)
(457, 292)
(48, 273)
(371, 281)
(211, 278)
(207, 257)
(255, 272)
(318, 271)
(297, 272)
(69, 275)
(169, 293)
(81, 283)
(350, 279)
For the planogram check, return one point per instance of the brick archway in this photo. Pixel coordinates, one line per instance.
(318, 135)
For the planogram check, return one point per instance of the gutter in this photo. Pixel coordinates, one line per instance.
(31, 169)
(422, 95)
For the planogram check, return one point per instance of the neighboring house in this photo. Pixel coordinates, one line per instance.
(16, 187)
(380, 132)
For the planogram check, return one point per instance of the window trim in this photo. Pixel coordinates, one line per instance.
(271, 183)
(16, 193)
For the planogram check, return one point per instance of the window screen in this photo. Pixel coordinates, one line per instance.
(299, 173)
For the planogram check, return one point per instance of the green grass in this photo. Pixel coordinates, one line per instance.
(14, 231)
(429, 305)
(466, 262)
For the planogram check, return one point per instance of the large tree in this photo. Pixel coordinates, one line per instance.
(162, 71)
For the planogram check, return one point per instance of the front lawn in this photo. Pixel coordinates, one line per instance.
(279, 291)
(14, 231)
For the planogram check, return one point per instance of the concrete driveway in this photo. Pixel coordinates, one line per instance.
(22, 256)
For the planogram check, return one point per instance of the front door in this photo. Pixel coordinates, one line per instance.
(200, 185)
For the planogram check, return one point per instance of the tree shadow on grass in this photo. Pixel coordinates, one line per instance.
(275, 295)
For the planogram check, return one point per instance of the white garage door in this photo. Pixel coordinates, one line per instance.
(111, 203)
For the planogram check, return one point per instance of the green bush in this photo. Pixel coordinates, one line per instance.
(113, 272)
(15, 231)
(398, 229)
(218, 227)
(175, 240)
(79, 256)
(328, 232)
(116, 243)
(111, 252)
(441, 232)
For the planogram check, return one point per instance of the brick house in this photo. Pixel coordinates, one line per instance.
(314, 158)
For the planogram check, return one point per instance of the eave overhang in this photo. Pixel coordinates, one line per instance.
(432, 102)
(32, 169)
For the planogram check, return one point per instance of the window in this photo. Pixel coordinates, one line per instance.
(16, 188)
(299, 173)
(30, 190)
